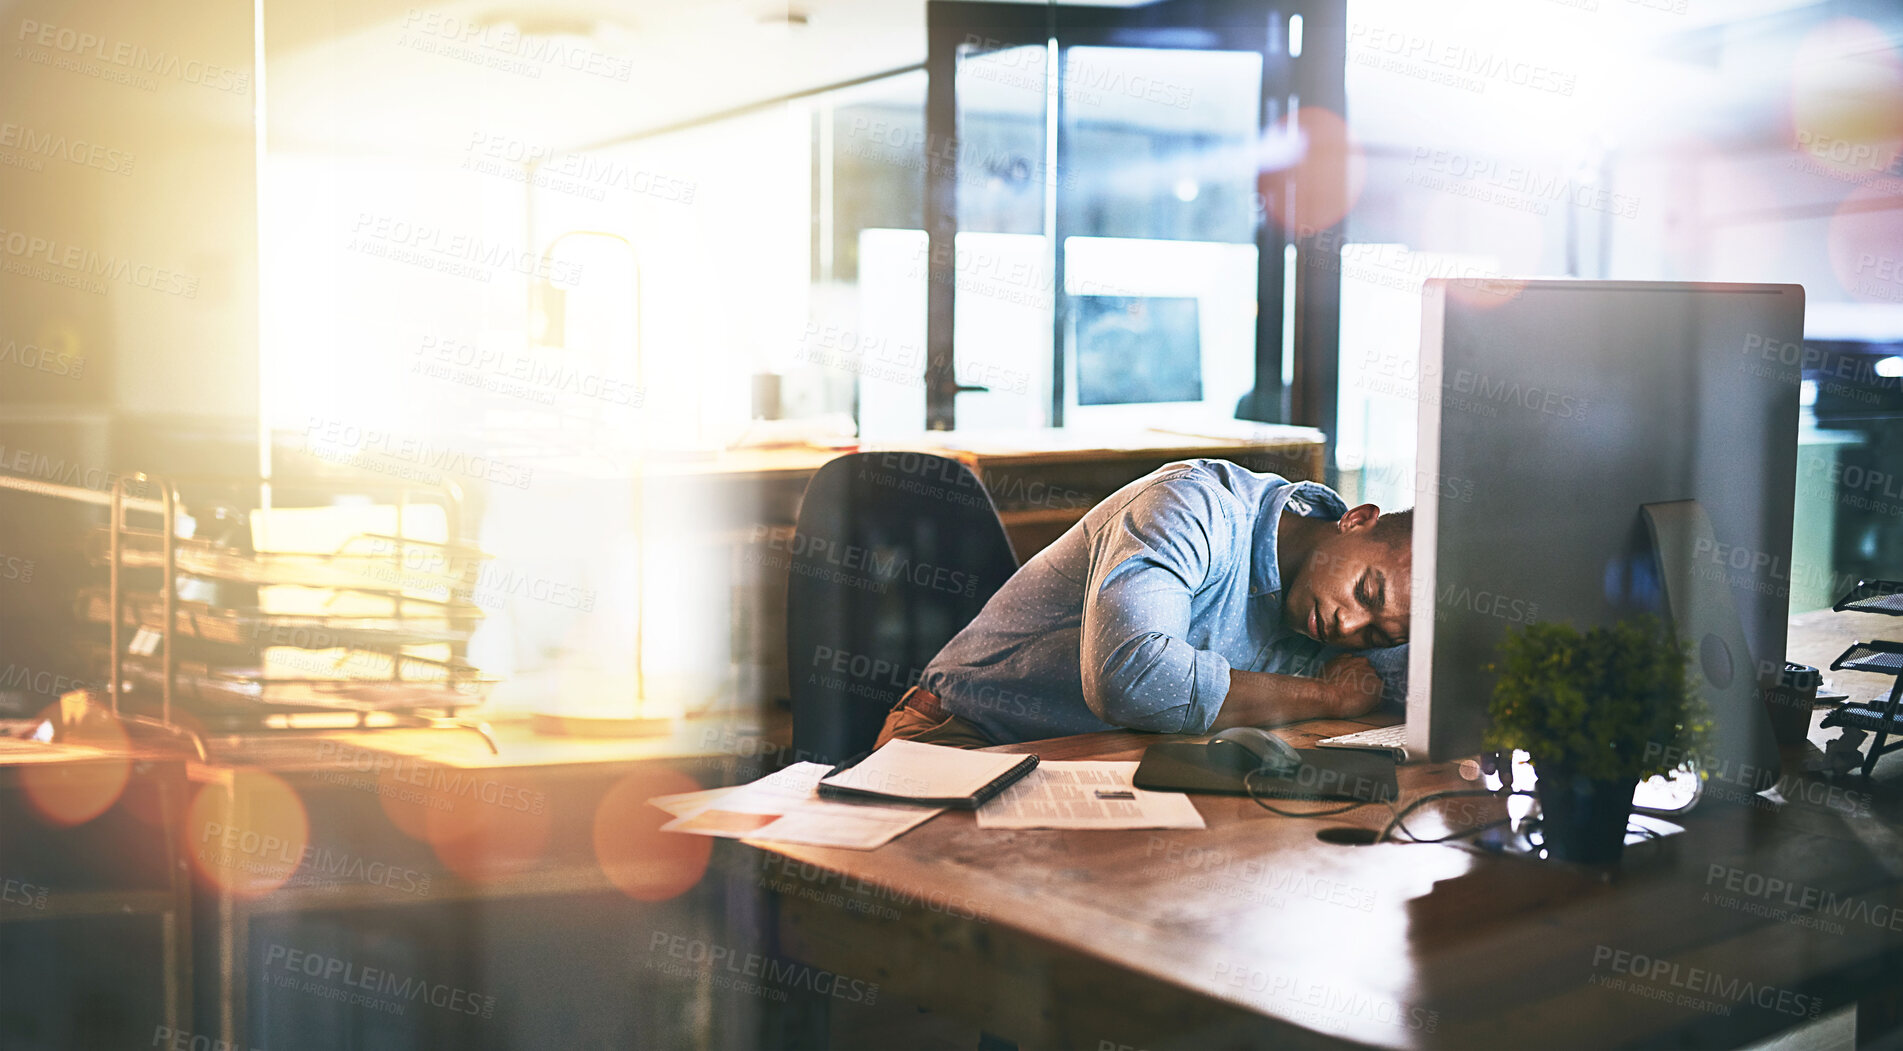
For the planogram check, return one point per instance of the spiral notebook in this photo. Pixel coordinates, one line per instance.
(925, 774)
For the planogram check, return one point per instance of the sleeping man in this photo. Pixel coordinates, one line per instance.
(1198, 597)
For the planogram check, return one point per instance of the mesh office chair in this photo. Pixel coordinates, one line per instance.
(893, 554)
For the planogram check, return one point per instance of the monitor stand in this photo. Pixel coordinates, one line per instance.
(1743, 756)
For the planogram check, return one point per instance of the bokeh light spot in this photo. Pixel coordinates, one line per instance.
(247, 838)
(1322, 186)
(486, 828)
(646, 863)
(73, 793)
(1866, 242)
(1847, 100)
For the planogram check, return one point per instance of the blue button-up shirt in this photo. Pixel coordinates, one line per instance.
(1135, 616)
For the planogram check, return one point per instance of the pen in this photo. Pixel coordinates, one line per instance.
(850, 762)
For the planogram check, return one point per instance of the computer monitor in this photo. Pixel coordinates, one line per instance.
(1156, 333)
(1134, 350)
(1565, 407)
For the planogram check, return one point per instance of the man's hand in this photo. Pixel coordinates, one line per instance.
(1346, 687)
(1350, 686)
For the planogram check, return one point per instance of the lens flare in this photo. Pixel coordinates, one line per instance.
(1847, 100)
(646, 863)
(1866, 242)
(73, 793)
(485, 828)
(247, 837)
(1322, 186)
(407, 798)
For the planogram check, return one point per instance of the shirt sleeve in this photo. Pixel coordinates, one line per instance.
(1145, 563)
(1391, 665)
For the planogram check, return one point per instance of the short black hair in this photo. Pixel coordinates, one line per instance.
(1396, 528)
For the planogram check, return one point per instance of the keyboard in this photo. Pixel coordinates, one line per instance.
(1381, 739)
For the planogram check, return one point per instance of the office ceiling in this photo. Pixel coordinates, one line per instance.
(383, 76)
(388, 77)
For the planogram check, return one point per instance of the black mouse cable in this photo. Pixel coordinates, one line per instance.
(1259, 801)
(1399, 820)
(1400, 816)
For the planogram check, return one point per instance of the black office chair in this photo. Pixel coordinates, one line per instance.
(893, 554)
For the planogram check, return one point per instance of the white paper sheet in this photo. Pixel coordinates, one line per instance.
(1069, 795)
(785, 807)
(682, 803)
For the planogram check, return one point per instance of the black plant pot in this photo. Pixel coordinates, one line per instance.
(1583, 820)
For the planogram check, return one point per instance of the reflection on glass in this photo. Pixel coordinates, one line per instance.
(1159, 143)
(1000, 154)
(1156, 207)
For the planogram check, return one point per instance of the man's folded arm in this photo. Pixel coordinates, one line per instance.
(1145, 564)
(1258, 698)
(1350, 685)
(1391, 665)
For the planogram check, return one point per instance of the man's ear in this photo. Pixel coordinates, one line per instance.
(1358, 518)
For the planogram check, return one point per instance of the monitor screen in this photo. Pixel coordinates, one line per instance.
(1138, 349)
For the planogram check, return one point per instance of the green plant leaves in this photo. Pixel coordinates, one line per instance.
(1609, 703)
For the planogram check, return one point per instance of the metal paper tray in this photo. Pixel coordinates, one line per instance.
(1873, 596)
(431, 624)
(1882, 658)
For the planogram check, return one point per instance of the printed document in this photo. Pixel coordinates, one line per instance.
(1086, 795)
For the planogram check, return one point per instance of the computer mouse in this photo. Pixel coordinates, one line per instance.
(1253, 748)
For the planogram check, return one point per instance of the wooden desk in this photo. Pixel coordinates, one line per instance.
(521, 907)
(1255, 933)
(79, 869)
(526, 818)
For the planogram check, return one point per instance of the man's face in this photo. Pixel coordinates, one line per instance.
(1354, 591)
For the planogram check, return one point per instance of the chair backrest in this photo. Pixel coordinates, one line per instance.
(893, 554)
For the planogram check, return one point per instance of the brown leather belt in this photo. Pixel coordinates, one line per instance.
(924, 702)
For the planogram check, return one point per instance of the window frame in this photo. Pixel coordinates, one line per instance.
(1315, 77)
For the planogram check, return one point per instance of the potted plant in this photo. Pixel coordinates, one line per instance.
(1597, 712)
